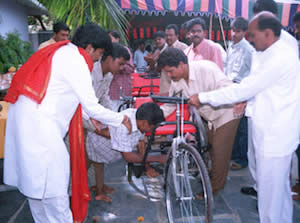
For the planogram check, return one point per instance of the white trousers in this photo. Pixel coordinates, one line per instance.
(271, 175)
(51, 210)
(251, 154)
(275, 203)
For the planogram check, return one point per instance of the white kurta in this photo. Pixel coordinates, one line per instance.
(36, 159)
(273, 94)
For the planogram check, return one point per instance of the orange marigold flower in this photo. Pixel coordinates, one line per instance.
(140, 219)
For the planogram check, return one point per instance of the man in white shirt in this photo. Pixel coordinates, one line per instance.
(296, 187)
(138, 58)
(160, 45)
(172, 34)
(133, 147)
(273, 95)
(270, 6)
(98, 148)
(237, 67)
(36, 159)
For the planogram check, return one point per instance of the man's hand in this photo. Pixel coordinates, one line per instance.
(126, 121)
(98, 125)
(239, 109)
(194, 100)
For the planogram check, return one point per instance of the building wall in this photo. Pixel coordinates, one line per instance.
(13, 16)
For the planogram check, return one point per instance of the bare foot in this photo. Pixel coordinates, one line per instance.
(103, 197)
(151, 173)
(108, 190)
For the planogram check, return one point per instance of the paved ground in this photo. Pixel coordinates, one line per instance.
(130, 202)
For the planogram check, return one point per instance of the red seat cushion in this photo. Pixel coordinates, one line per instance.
(142, 86)
(170, 129)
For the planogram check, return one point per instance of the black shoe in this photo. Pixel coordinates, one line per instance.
(249, 191)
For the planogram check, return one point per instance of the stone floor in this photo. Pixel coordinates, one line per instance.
(130, 201)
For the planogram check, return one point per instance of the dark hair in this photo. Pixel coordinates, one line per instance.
(93, 34)
(114, 33)
(269, 22)
(150, 112)
(173, 26)
(296, 17)
(240, 23)
(141, 42)
(184, 25)
(171, 57)
(60, 26)
(265, 5)
(118, 51)
(195, 21)
(159, 34)
(148, 48)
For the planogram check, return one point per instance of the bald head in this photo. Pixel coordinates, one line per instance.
(264, 30)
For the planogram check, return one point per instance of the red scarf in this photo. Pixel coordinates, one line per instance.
(32, 81)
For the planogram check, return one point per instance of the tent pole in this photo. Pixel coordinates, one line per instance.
(222, 30)
(210, 27)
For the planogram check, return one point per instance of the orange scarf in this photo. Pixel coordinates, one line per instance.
(32, 80)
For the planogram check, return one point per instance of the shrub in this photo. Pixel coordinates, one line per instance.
(13, 51)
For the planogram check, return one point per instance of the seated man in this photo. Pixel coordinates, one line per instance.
(143, 120)
(196, 77)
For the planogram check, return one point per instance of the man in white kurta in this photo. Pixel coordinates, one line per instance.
(270, 6)
(36, 159)
(273, 94)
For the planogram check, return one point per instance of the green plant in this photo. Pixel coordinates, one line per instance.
(107, 13)
(13, 51)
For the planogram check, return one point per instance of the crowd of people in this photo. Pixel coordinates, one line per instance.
(249, 96)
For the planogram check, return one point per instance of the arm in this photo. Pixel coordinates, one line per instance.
(168, 108)
(103, 132)
(78, 76)
(259, 79)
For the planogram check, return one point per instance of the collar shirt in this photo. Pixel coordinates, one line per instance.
(204, 76)
(179, 45)
(101, 84)
(206, 50)
(273, 93)
(120, 139)
(238, 62)
(122, 80)
(165, 80)
(161, 50)
(47, 43)
(139, 61)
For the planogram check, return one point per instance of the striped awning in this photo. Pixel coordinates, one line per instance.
(225, 8)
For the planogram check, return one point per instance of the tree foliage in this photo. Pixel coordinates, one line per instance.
(74, 13)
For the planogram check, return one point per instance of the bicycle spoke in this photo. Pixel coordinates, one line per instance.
(190, 179)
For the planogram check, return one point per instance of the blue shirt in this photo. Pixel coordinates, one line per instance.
(139, 61)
